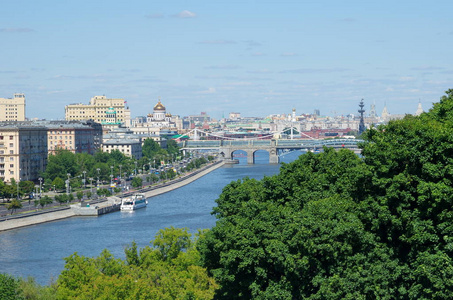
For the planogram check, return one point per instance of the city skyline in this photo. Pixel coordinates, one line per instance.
(249, 57)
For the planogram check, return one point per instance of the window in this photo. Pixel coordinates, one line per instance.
(11, 145)
(11, 165)
(11, 151)
(11, 159)
(11, 137)
(11, 172)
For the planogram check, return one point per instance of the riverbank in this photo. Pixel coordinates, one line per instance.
(67, 212)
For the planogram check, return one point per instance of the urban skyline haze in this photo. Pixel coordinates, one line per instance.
(253, 57)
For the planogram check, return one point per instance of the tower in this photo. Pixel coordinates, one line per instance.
(419, 109)
(373, 111)
(362, 122)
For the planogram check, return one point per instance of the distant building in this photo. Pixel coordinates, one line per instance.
(23, 151)
(129, 147)
(109, 112)
(234, 116)
(419, 109)
(157, 121)
(12, 109)
(75, 136)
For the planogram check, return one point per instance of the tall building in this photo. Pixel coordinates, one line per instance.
(12, 109)
(109, 112)
(75, 136)
(23, 151)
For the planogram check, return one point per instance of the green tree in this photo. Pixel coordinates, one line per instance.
(60, 164)
(335, 226)
(137, 182)
(145, 274)
(79, 195)
(58, 183)
(9, 287)
(14, 205)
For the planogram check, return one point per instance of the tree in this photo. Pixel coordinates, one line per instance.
(334, 225)
(145, 274)
(9, 287)
(58, 183)
(137, 182)
(14, 205)
(79, 195)
(26, 186)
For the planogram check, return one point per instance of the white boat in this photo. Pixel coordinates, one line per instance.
(134, 202)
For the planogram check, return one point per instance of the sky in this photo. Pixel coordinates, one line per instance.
(253, 57)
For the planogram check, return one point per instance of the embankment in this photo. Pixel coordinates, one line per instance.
(62, 213)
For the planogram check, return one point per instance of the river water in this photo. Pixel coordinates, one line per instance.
(39, 250)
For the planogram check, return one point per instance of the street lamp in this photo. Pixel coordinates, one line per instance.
(40, 190)
(84, 180)
(97, 184)
(67, 183)
(91, 186)
(120, 170)
(135, 168)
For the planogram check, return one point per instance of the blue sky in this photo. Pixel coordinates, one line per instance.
(252, 57)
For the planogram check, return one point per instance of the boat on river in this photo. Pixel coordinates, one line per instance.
(134, 202)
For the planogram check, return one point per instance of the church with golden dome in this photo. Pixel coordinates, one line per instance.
(158, 119)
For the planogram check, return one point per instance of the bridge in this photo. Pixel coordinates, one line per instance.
(275, 148)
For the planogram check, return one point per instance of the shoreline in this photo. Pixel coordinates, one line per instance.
(50, 216)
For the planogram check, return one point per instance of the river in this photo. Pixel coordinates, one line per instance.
(39, 250)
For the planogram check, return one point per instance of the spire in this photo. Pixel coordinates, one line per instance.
(385, 114)
(419, 109)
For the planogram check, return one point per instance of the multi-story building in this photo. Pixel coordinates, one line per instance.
(129, 147)
(75, 136)
(109, 112)
(12, 109)
(23, 151)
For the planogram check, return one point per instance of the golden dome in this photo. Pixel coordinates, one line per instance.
(159, 106)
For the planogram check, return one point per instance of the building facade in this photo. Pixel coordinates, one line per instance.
(12, 109)
(23, 151)
(129, 147)
(109, 112)
(75, 136)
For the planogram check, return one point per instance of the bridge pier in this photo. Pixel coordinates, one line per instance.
(273, 157)
(250, 157)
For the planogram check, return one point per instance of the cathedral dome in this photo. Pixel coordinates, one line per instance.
(159, 106)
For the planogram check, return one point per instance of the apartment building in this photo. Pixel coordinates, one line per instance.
(107, 111)
(12, 109)
(23, 151)
(75, 136)
(127, 146)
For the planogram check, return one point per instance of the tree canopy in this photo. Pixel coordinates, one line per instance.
(335, 225)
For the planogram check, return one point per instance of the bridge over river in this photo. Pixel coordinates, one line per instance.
(275, 148)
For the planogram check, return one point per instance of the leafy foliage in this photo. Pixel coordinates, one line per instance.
(336, 226)
(162, 271)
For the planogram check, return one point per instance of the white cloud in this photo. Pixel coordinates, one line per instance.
(185, 14)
